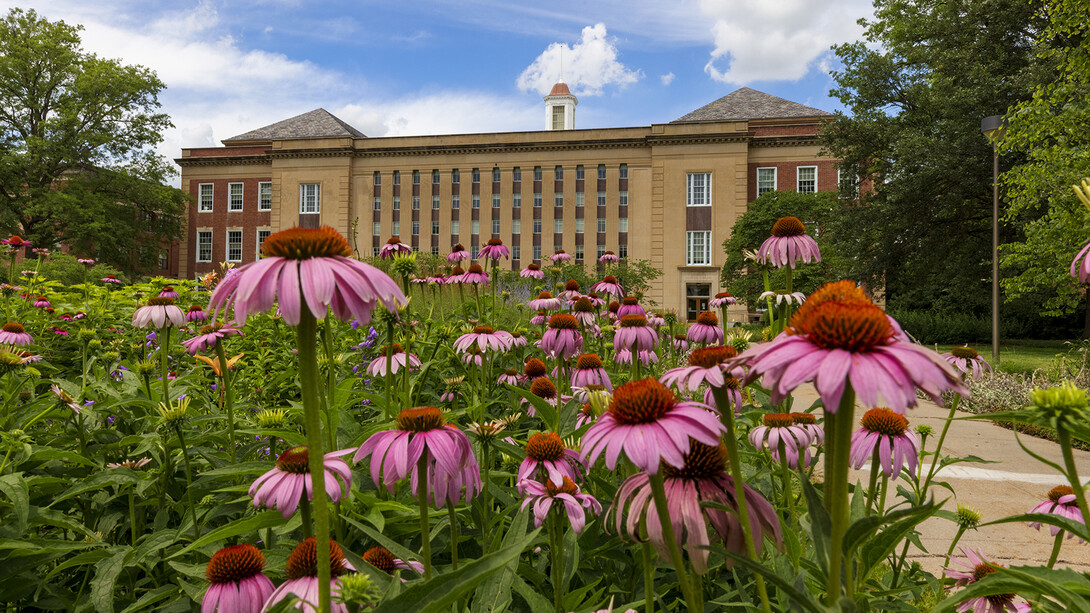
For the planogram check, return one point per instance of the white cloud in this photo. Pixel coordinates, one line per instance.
(667, 78)
(441, 113)
(587, 66)
(778, 40)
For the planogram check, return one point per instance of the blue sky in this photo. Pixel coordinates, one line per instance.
(442, 66)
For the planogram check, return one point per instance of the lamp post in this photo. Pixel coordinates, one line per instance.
(992, 127)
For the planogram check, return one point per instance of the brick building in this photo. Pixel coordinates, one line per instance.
(667, 193)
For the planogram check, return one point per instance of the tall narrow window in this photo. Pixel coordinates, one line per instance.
(580, 199)
(558, 226)
(435, 177)
(495, 201)
(310, 198)
(435, 227)
(495, 175)
(476, 175)
(261, 236)
(476, 201)
(416, 177)
(234, 196)
(204, 245)
(455, 176)
(580, 173)
(205, 191)
(264, 196)
(376, 229)
(537, 200)
(766, 180)
(516, 252)
(622, 224)
(516, 227)
(537, 226)
(416, 228)
(622, 252)
(558, 200)
(455, 227)
(475, 226)
(601, 171)
(537, 173)
(516, 201)
(624, 171)
(622, 198)
(558, 173)
(377, 178)
(579, 251)
(698, 189)
(601, 224)
(397, 203)
(558, 117)
(601, 198)
(377, 203)
(435, 203)
(807, 179)
(495, 226)
(537, 252)
(416, 203)
(455, 201)
(516, 174)
(580, 225)
(396, 229)
(698, 251)
(397, 177)
(234, 245)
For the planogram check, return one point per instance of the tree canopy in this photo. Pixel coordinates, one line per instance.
(76, 137)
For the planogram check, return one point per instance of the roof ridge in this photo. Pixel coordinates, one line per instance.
(748, 103)
(318, 123)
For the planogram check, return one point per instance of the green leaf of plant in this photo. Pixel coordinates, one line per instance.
(113, 477)
(495, 593)
(266, 519)
(545, 411)
(441, 591)
(106, 572)
(820, 524)
(799, 598)
(537, 602)
(15, 488)
(1077, 528)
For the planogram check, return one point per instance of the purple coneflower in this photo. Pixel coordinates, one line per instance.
(422, 432)
(473, 356)
(650, 425)
(486, 339)
(282, 487)
(609, 285)
(546, 450)
(885, 433)
(545, 302)
(65, 398)
(544, 388)
(1061, 501)
(542, 496)
(517, 339)
(788, 243)
(609, 258)
(307, 267)
(795, 298)
(14, 334)
(700, 477)
(634, 334)
(130, 464)
(168, 292)
(41, 302)
(88, 262)
(560, 256)
(679, 343)
(534, 369)
(978, 568)
(451, 486)
(809, 422)
(399, 360)
(301, 571)
(196, 313)
(706, 365)
(630, 305)
(570, 293)
(595, 300)
(732, 387)
(562, 340)
(382, 559)
(208, 337)
(457, 254)
(706, 330)
(494, 249)
(1080, 266)
(237, 583)
(589, 371)
(587, 415)
(455, 276)
(612, 310)
(532, 271)
(475, 275)
(721, 300)
(15, 241)
(783, 438)
(583, 310)
(539, 319)
(967, 361)
(509, 377)
(655, 320)
(624, 356)
(393, 248)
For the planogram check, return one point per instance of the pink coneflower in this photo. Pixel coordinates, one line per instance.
(562, 340)
(473, 356)
(707, 365)
(583, 310)
(885, 433)
(130, 464)
(612, 309)
(196, 313)
(967, 361)
(307, 268)
(382, 559)
(546, 450)
(630, 305)
(570, 293)
(451, 486)
(1080, 266)
(41, 252)
(457, 254)
(539, 319)
(455, 276)
(679, 343)
(65, 398)
(494, 249)
(839, 336)
(649, 424)
(534, 369)
(208, 337)
(732, 387)
(609, 285)
(655, 320)
(595, 300)
(560, 256)
(532, 271)
(237, 583)
(393, 248)
(634, 334)
(544, 388)
(978, 568)
(88, 262)
(545, 302)
(421, 432)
(788, 243)
(41, 302)
(700, 477)
(517, 339)
(282, 487)
(782, 297)
(509, 377)
(722, 300)
(609, 258)
(587, 415)
(783, 438)
(399, 360)
(542, 496)
(589, 371)
(475, 275)
(624, 356)
(301, 571)
(809, 422)
(14, 334)
(486, 339)
(706, 330)
(15, 241)
(168, 292)
(1061, 501)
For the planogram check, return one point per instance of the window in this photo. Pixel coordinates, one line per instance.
(416, 228)
(435, 177)
(164, 259)
(622, 224)
(261, 236)
(264, 196)
(455, 176)
(455, 201)
(580, 199)
(516, 201)
(622, 252)
(766, 180)
(537, 173)
(476, 175)
(435, 250)
(847, 183)
(516, 174)
(475, 226)
(234, 245)
(204, 191)
(495, 175)
(601, 250)
(495, 226)
(557, 247)
(580, 173)
(601, 171)
(375, 251)
(416, 203)
(579, 253)
(601, 224)
(537, 200)
(698, 248)
(476, 201)
(396, 229)
(377, 178)
(537, 252)
(397, 203)
(807, 179)
(204, 245)
(234, 196)
(558, 173)
(622, 198)
(435, 203)
(558, 199)
(624, 171)
(558, 117)
(435, 227)
(310, 198)
(377, 203)
(580, 225)
(376, 229)
(516, 252)
(495, 201)
(601, 198)
(698, 189)
(416, 177)
(516, 226)
(558, 226)
(397, 177)
(455, 227)
(696, 299)
(537, 226)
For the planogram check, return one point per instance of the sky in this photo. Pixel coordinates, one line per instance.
(409, 67)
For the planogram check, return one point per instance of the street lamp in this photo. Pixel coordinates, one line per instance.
(992, 127)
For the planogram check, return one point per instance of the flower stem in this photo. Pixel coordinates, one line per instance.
(935, 461)
(228, 401)
(1056, 548)
(389, 366)
(648, 578)
(188, 480)
(874, 466)
(453, 535)
(556, 549)
(132, 515)
(304, 512)
(486, 474)
(163, 372)
(658, 492)
(307, 340)
(422, 495)
(726, 414)
(838, 435)
(1072, 471)
(950, 550)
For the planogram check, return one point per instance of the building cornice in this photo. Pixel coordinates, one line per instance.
(227, 160)
(501, 147)
(785, 141)
(280, 154)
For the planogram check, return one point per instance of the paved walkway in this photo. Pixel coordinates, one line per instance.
(1014, 484)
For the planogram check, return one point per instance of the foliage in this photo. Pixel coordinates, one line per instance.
(76, 132)
(917, 87)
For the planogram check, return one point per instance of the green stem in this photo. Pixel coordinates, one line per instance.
(1072, 471)
(188, 480)
(163, 372)
(389, 366)
(953, 543)
(307, 341)
(936, 460)
(788, 494)
(453, 535)
(648, 578)
(422, 494)
(477, 297)
(486, 474)
(874, 470)
(556, 549)
(228, 400)
(1056, 548)
(658, 492)
(838, 434)
(331, 384)
(304, 513)
(882, 498)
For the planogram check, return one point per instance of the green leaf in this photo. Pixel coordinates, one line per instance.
(878, 548)
(1077, 528)
(113, 477)
(48, 454)
(537, 602)
(241, 468)
(799, 598)
(495, 593)
(395, 548)
(149, 598)
(441, 591)
(15, 488)
(106, 573)
(545, 411)
(820, 524)
(266, 519)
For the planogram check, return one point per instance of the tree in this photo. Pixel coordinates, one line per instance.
(76, 136)
(917, 88)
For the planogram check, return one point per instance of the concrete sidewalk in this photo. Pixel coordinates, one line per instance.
(1013, 485)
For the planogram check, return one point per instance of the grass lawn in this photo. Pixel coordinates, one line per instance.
(1020, 356)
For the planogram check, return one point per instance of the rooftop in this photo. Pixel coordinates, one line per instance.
(318, 123)
(746, 103)
(560, 89)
